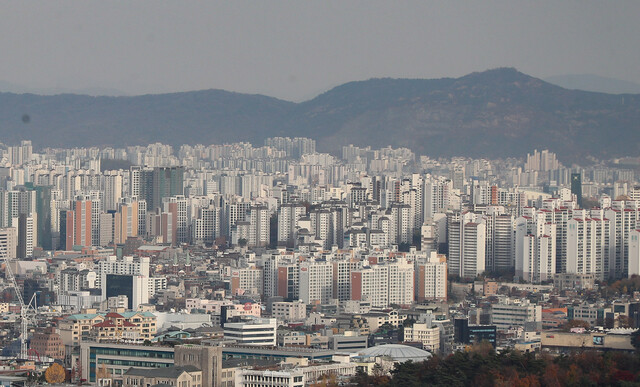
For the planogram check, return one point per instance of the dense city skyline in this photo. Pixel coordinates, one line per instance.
(240, 255)
(293, 194)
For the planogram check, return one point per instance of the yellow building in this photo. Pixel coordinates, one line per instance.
(73, 328)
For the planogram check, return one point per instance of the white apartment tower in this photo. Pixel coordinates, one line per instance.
(436, 194)
(473, 250)
(467, 233)
(288, 215)
(112, 186)
(431, 278)
(316, 282)
(588, 246)
(8, 242)
(259, 229)
(401, 230)
(123, 266)
(401, 282)
(206, 227)
(503, 243)
(535, 248)
(384, 284)
(623, 218)
(177, 206)
(634, 253)
(134, 181)
(371, 284)
(322, 227)
(341, 279)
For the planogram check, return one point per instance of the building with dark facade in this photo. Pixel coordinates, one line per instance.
(576, 187)
(472, 334)
(160, 182)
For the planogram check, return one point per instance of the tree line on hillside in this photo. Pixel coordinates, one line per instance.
(482, 367)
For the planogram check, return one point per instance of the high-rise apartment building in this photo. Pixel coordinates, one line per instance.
(623, 218)
(142, 217)
(152, 185)
(576, 187)
(107, 227)
(8, 242)
(315, 280)
(288, 215)
(634, 253)
(401, 282)
(206, 226)
(431, 278)
(371, 284)
(385, 283)
(322, 227)
(126, 220)
(502, 258)
(467, 238)
(588, 246)
(79, 223)
(248, 280)
(401, 230)
(112, 187)
(541, 161)
(473, 250)
(26, 235)
(535, 248)
(20, 154)
(259, 226)
(177, 207)
(342, 278)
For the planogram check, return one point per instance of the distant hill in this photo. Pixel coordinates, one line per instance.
(496, 113)
(596, 83)
(209, 116)
(9, 87)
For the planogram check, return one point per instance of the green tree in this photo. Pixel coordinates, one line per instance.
(362, 379)
(405, 374)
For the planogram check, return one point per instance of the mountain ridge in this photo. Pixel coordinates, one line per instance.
(494, 113)
(595, 83)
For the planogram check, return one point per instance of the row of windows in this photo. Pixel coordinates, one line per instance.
(133, 363)
(132, 353)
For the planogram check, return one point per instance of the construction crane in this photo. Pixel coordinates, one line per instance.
(26, 310)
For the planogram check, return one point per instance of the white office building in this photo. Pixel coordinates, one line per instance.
(514, 313)
(258, 331)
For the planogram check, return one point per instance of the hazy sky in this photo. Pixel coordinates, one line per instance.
(297, 49)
